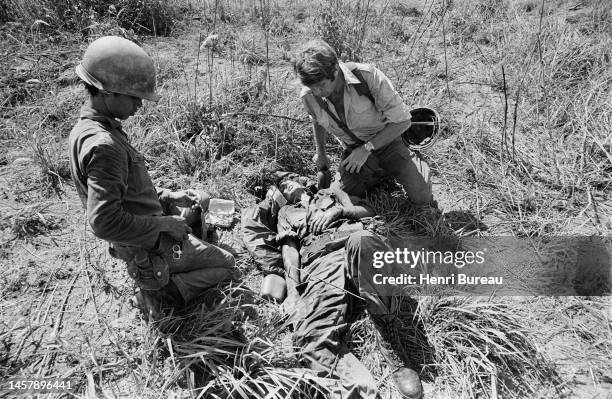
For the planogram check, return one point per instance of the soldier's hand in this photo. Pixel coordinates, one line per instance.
(176, 227)
(355, 161)
(323, 219)
(184, 198)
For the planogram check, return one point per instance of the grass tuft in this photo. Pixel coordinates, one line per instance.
(31, 221)
(480, 344)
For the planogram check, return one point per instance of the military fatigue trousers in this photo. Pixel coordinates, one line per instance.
(320, 321)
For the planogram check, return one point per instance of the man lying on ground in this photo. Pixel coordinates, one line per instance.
(141, 224)
(326, 253)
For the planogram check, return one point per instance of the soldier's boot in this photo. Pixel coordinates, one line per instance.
(153, 304)
(388, 336)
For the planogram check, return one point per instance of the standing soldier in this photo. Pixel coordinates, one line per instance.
(357, 104)
(142, 225)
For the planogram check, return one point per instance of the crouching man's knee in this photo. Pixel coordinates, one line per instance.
(230, 261)
(421, 198)
(228, 271)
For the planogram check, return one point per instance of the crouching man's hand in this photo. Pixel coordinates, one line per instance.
(354, 162)
(184, 198)
(175, 226)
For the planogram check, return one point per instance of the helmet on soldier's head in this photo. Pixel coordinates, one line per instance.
(118, 65)
(424, 129)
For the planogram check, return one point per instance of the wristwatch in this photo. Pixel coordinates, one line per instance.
(369, 147)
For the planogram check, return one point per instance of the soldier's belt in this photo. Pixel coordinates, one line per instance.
(317, 246)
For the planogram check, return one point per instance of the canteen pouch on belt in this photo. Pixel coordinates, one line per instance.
(149, 269)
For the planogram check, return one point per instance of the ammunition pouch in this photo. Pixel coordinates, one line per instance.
(150, 269)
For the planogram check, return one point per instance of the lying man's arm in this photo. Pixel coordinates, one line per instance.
(279, 289)
(353, 207)
(275, 286)
(347, 207)
(291, 260)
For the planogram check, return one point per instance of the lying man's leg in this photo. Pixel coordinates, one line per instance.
(360, 248)
(320, 326)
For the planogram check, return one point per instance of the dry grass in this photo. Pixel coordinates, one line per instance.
(524, 153)
(216, 350)
(483, 348)
(30, 221)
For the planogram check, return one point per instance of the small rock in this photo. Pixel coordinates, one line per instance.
(22, 161)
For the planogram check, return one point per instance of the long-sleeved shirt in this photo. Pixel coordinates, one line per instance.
(363, 118)
(113, 183)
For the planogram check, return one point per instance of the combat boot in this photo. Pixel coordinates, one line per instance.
(389, 330)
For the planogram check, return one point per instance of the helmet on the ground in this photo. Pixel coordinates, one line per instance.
(118, 65)
(424, 129)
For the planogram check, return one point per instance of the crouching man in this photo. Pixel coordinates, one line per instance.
(145, 227)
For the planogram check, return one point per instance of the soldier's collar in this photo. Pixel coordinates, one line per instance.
(87, 112)
(349, 77)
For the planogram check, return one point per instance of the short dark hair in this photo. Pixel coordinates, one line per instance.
(316, 61)
(92, 90)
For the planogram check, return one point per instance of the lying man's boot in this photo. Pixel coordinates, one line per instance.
(389, 329)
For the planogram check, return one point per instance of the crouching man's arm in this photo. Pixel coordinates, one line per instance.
(183, 198)
(107, 176)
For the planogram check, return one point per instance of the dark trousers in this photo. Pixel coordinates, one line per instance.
(395, 160)
(321, 319)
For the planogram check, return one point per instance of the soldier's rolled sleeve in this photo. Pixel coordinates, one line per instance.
(107, 170)
(387, 99)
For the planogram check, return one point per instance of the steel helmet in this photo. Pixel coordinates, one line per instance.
(118, 65)
(424, 129)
